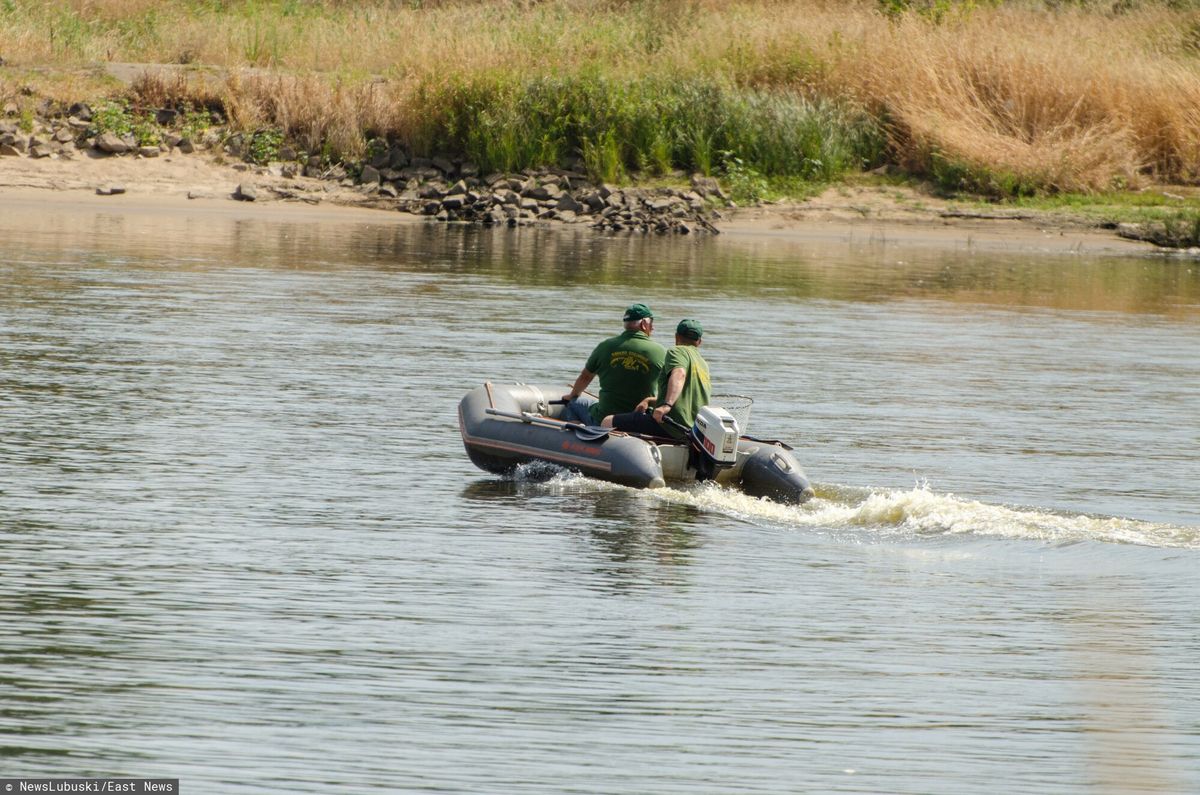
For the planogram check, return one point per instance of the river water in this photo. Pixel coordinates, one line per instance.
(241, 544)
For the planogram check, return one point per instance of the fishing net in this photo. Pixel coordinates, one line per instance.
(738, 406)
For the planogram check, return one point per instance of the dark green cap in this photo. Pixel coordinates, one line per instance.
(690, 329)
(638, 312)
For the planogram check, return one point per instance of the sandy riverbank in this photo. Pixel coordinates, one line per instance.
(200, 184)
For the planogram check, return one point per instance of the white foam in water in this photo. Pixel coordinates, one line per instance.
(920, 512)
(539, 472)
(560, 480)
(913, 513)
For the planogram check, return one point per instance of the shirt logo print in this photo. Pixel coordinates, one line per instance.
(629, 360)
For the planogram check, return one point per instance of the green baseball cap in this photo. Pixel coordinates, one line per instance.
(637, 312)
(690, 329)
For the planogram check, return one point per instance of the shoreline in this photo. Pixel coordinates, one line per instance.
(198, 183)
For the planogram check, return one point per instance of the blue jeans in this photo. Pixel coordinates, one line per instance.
(577, 410)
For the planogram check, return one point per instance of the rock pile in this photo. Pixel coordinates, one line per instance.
(445, 189)
(65, 135)
(450, 191)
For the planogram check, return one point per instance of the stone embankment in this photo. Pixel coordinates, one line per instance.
(455, 191)
(442, 189)
(70, 135)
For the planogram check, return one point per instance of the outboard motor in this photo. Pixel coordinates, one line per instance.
(714, 442)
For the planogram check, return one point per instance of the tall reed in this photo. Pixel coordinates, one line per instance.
(650, 124)
(1006, 97)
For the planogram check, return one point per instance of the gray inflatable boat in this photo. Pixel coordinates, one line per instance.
(506, 425)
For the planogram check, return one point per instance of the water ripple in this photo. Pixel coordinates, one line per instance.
(241, 544)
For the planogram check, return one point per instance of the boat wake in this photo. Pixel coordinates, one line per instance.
(908, 514)
(923, 513)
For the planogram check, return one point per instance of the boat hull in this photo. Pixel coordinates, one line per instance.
(500, 444)
(505, 426)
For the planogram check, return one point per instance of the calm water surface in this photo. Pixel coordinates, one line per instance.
(241, 544)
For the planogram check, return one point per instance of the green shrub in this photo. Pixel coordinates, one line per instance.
(194, 123)
(264, 146)
(111, 117)
(746, 186)
(26, 119)
(146, 131)
(117, 118)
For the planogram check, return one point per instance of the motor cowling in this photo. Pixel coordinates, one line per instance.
(714, 442)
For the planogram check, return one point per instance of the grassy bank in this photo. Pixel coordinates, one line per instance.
(1005, 99)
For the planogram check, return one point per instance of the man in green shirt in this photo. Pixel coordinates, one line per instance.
(628, 365)
(684, 388)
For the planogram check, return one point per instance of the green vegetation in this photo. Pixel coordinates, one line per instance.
(1007, 99)
(1182, 229)
(26, 119)
(119, 119)
(654, 125)
(1167, 219)
(934, 10)
(146, 131)
(746, 186)
(264, 146)
(194, 123)
(111, 117)
(1115, 207)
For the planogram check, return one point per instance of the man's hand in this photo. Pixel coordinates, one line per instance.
(661, 412)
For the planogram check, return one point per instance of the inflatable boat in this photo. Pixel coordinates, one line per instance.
(506, 425)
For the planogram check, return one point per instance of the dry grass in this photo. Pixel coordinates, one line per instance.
(1070, 100)
(1007, 98)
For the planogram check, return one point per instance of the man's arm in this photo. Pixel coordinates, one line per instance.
(581, 383)
(674, 390)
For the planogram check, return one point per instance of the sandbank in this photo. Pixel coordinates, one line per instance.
(201, 184)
